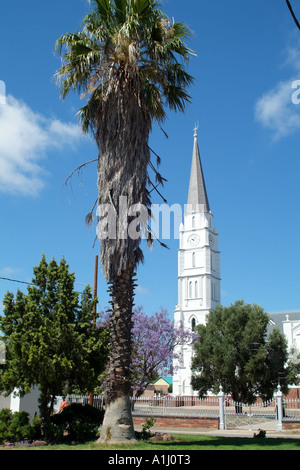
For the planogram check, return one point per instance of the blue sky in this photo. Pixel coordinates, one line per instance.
(248, 56)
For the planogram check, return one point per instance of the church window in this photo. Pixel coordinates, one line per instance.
(181, 358)
(190, 289)
(196, 289)
(193, 324)
(194, 259)
(193, 221)
(213, 291)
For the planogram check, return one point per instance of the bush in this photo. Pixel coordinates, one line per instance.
(145, 434)
(14, 427)
(77, 422)
(36, 427)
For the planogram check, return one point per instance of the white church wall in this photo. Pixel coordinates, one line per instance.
(291, 329)
(4, 402)
(28, 403)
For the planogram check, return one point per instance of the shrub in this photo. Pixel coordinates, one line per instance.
(36, 426)
(77, 422)
(14, 427)
(5, 419)
(20, 426)
(145, 434)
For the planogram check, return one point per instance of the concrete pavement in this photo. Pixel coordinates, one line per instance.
(289, 434)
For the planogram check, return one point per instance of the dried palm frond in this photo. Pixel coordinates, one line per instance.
(126, 62)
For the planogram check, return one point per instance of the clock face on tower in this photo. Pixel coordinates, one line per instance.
(193, 240)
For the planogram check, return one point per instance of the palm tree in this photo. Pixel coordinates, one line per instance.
(129, 61)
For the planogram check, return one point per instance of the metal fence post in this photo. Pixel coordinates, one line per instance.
(221, 408)
(279, 408)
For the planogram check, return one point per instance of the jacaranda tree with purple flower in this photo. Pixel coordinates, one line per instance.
(154, 341)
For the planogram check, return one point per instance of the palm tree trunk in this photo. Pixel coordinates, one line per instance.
(118, 424)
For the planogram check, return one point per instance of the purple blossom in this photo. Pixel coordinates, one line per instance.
(154, 341)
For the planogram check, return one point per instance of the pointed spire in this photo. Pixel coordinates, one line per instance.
(197, 190)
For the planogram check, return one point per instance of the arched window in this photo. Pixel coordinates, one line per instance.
(190, 290)
(194, 260)
(193, 221)
(196, 289)
(213, 291)
(193, 324)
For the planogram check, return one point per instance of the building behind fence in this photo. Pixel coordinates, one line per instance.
(220, 411)
(269, 415)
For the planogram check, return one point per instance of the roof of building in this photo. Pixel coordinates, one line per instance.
(276, 319)
(197, 196)
(168, 380)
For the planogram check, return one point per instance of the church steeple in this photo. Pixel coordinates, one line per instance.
(197, 196)
(199, 288)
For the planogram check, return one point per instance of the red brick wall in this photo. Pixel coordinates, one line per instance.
(287, 425)
(294, 393)
(180, 422)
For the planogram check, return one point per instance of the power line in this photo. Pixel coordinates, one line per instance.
(15, 280)
(32, 283)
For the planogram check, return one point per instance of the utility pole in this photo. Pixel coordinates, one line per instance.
(91, 398)
(95, 287)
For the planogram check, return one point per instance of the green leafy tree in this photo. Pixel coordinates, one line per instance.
(93, 340)
(129, 62)
(233, 350)
(50, 339)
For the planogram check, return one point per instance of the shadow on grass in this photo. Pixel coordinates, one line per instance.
(185, 444)
(228, 443)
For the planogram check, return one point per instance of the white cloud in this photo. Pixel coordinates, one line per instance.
(66, 133)
(9, 271)
(276, 110)
(25, 138)
(142, 290)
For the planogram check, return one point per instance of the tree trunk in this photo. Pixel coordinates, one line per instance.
(118, 424)
(45, 413)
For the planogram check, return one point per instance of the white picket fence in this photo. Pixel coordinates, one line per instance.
(291, 409)
(175, 406)
(232, 415)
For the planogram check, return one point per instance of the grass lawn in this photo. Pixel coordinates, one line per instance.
(186, 443)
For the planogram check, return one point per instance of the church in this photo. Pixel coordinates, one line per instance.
(199, 280)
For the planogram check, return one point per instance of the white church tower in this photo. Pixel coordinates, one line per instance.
(198, 270)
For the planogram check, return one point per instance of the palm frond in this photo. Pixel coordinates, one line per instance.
(127, 63)
(89, 218)
(103, 8)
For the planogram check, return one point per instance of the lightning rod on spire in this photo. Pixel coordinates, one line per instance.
(196, 129)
